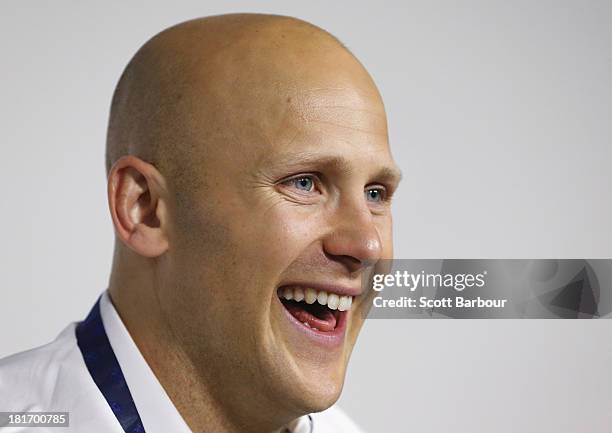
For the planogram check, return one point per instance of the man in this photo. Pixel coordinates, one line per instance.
(249, 184)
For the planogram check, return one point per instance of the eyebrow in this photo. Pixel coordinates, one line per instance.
(386, 173)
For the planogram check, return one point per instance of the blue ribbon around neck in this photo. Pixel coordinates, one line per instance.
(106, 372)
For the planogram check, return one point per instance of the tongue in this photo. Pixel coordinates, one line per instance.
(319, 316)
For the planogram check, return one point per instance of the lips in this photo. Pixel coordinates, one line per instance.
(320, 311)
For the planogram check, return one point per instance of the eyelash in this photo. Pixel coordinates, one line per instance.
(386, 195)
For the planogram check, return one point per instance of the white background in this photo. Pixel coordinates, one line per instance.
(500, 117)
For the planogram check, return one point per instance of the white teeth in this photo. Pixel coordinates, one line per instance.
(298, 294)
(306, 323)
(310, 296)
(322, 297)
(332, 301)
(345, 303)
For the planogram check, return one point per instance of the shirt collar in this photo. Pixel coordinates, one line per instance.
(156, 410)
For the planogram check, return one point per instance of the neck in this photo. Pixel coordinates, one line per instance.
(203, 405)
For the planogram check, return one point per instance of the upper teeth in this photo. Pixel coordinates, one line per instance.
(332, 300)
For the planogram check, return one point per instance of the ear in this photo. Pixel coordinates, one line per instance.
(137, 201)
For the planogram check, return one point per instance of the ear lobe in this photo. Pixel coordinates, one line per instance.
(136, 205)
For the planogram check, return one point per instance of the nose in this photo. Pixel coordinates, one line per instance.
(355, 240)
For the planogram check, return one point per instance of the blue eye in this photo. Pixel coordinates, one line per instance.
(375, 194)
(304, 183)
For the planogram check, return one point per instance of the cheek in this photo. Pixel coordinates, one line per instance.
(385, 231)
(282, 235)
(248, 248)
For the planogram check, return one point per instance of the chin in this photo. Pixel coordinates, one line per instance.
(313, 387)
(316, 398)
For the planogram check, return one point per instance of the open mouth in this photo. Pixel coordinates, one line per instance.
(318, 310)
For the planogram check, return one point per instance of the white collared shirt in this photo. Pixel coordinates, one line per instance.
(54, 378)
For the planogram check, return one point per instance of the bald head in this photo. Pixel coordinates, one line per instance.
(216, 81)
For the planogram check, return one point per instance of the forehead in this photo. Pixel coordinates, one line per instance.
(338, 127)
(258, 110)
(332, 118)
(339, 106)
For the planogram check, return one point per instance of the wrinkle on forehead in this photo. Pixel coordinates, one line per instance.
(346, 107)
(335, 113)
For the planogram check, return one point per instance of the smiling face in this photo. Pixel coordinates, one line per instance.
(286, 202)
